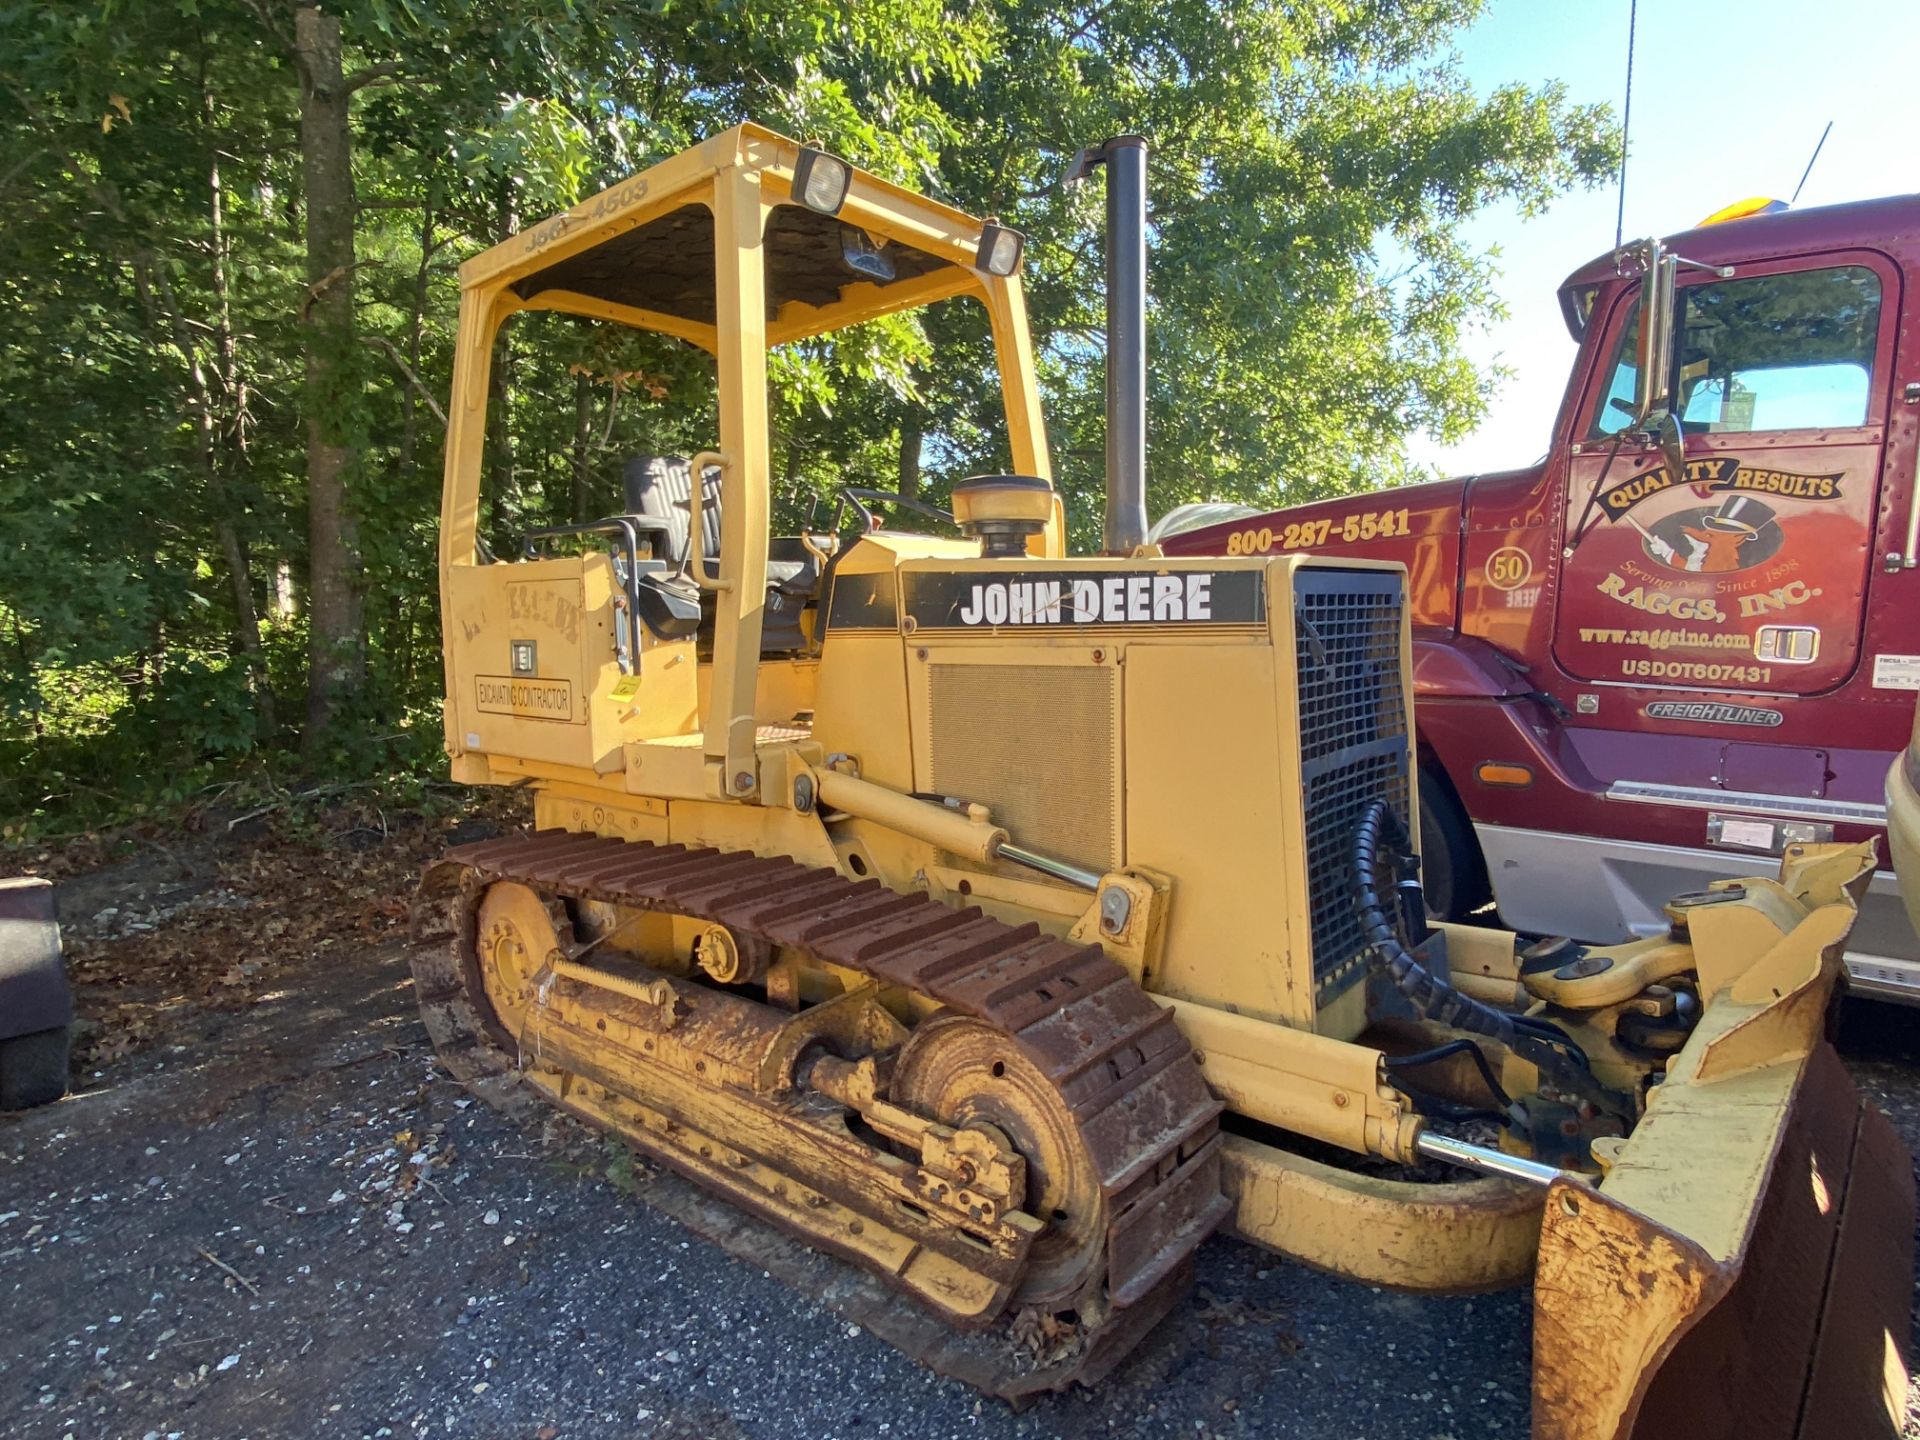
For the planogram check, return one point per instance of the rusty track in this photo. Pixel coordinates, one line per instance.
(1122, 1068)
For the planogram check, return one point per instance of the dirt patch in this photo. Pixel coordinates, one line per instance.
(224, 908)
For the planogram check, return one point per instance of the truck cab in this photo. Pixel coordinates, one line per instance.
(1690, 635)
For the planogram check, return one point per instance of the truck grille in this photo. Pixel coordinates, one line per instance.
(1354, 746)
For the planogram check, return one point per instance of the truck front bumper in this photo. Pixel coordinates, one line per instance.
(1624, 886)
(1903, 826)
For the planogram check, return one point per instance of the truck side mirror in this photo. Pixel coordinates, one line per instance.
(1673, 445)
(1653, 357)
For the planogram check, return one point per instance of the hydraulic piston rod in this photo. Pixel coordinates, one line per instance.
(1488, 1162)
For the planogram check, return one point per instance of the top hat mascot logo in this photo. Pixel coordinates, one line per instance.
(1707, 540)
(1716, 542)
(1740, 531)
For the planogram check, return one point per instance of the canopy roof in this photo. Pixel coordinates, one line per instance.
(642, 251)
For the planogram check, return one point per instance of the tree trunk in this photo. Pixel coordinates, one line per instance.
(336, 658)
(582, 445)
(403, 661)
(503, 484)
(286, 601)
(232, 440)
(150, 669)
(29, 674)
(201, 404)
(415, 328)
(911, 433)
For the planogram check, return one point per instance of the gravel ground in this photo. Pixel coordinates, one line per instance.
(283, 1221)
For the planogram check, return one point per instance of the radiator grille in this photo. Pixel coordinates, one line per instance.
(1036, 743)
(1353, 743)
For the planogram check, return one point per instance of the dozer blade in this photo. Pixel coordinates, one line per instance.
(1745, 1267)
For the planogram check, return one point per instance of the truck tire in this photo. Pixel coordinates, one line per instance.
(1452, 871)
(33, 1069)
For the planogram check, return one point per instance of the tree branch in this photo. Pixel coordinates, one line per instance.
(30, 158)
(380, 342)
(386, 72)
(270, 22)
(326, 282)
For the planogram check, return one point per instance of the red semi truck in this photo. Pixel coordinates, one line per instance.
(1690, 635)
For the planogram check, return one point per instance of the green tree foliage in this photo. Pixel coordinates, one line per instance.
(1312, 165)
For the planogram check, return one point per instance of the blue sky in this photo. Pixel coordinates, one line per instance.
(1728, 101)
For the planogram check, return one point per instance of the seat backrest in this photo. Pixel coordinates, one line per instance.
(661, 486)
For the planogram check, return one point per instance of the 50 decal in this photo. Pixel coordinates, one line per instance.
(1308, 534)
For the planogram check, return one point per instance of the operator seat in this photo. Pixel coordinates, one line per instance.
(660, 487)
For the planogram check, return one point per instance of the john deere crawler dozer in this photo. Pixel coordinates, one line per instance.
(1002, 922)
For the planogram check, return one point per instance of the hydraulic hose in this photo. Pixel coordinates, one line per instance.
(1382, 861)
(1398, 1067)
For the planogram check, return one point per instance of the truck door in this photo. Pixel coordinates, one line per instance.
(1748, 572)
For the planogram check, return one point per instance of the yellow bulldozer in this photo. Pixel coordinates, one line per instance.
(1002, 922)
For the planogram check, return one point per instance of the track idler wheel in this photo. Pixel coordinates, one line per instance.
(515, 934)
(963, 1072)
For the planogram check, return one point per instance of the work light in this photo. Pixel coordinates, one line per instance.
(820, 180)
(1000, 249)
(863, 257)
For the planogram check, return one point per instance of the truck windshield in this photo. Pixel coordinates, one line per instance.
(1771, 352)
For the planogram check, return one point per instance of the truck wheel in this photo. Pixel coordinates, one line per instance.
(1452, 872)
(33, 1069)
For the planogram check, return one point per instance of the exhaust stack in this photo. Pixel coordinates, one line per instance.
(1125, 157)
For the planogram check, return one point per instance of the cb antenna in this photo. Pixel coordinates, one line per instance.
(1809, 170)
(1626, 127)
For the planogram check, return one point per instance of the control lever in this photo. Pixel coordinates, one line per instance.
(824, 545)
